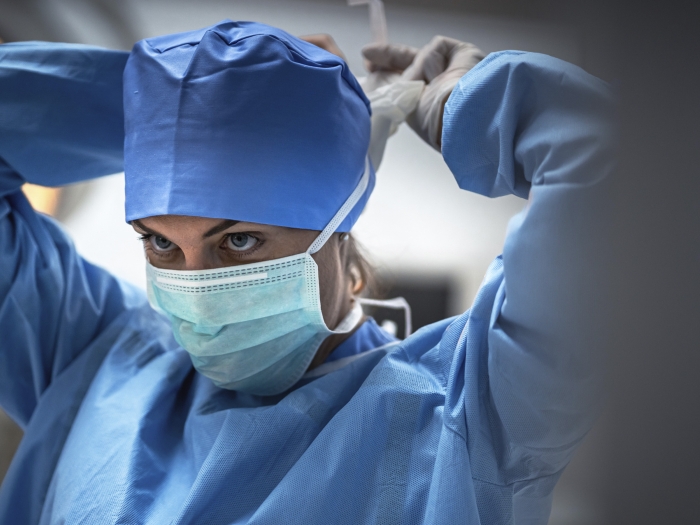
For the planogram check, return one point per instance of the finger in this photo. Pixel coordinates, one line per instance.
(369, 66)
(430, 61)
(463, 57)
(433, 59)
(388, 57)
(324, 41)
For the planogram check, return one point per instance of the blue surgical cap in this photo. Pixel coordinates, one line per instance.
(243, 121)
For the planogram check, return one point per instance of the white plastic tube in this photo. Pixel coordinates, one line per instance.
(391, 98)
(377, 19)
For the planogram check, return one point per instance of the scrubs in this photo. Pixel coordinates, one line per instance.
(470, 420)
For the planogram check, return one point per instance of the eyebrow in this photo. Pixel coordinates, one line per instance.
(147, 230)
(223, 225)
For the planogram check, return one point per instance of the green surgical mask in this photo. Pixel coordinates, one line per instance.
(255, 327)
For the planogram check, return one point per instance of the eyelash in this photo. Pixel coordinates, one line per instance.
(146, 236)
(251, 251)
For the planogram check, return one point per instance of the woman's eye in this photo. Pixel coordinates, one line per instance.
(161, 244)
(240, 242)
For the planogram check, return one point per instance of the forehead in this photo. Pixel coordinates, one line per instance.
(184, 225)
(180, 222)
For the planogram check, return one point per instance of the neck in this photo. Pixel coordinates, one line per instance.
(330, 343)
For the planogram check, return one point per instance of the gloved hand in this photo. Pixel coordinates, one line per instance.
(440, 65)
(324, 41)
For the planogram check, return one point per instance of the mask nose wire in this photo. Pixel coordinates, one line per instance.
(340, 215)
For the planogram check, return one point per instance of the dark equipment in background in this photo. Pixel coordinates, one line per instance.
(430, 301)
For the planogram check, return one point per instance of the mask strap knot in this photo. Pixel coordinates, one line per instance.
(340, 215)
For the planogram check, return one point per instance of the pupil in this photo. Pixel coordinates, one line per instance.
(239, 240)
(162, 242)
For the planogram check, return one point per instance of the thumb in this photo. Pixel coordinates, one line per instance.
(464, 57)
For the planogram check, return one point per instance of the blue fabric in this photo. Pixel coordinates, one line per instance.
(470, 420)
(243, 121)
(61, 112)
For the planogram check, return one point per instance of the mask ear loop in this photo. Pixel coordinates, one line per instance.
(397, 303)
(340, 215)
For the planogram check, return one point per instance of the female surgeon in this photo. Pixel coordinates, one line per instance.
(247, 387)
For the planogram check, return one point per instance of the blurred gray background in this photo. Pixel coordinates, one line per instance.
(638, 465)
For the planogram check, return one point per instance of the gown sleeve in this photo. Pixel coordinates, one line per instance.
(60, 122)
(539, 128)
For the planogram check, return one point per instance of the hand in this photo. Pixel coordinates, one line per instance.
(440, 65)
(324, 41)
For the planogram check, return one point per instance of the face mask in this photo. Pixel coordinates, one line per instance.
(255, 327)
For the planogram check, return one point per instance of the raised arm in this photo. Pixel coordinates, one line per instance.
(60, 122)
(526, 369)
(526, 123)
(61, 113)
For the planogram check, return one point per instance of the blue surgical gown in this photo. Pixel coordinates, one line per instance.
(470, 420)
